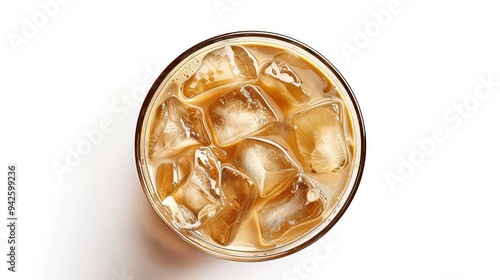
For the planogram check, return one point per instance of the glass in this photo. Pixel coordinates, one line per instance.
(250, 146)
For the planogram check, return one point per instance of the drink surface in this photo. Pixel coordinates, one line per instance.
(249, 146)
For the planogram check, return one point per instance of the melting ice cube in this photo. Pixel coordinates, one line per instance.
(198, 197)
(166, 179)
(319, 136)
(298, 203)
(265, 162)
(240, 192)
(240, 113)
(230, 64)
(280, 78)
(314, 76)
(291, 60)
(175, 127)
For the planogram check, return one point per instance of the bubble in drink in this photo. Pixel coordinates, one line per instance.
(319, 136)
(175, 127)
(227, 65)
(199, 197)
(240, 193)
(266, 162)
(301, 201)
(282, 79)
(239, 113)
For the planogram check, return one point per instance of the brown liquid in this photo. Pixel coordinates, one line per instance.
(319, 88)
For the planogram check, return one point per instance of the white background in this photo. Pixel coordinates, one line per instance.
(86, 62)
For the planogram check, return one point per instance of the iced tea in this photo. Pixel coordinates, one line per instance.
(250, 145)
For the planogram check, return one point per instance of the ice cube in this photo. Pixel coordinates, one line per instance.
(291, 60)
(265, 162)
(319, 137)
(198, 197)
(230, 64)
(314, 77)
(166, 179)
(240, 113)
(240, 192)
(301, 201)
(280, 78)
(175, 127)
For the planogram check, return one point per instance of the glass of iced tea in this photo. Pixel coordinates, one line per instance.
(250, 146)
